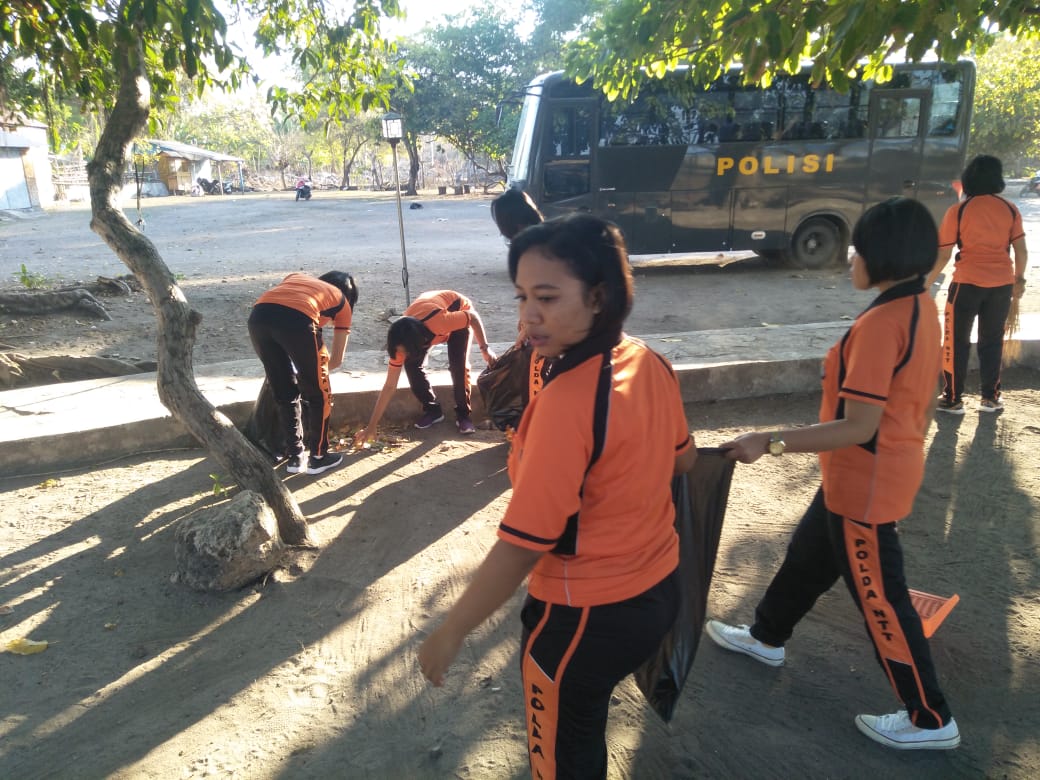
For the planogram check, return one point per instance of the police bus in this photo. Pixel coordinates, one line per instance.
(783, 171)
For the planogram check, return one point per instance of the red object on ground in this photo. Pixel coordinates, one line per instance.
(932, 609)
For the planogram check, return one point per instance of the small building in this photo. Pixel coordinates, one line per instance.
(25, 169)
(180, 165)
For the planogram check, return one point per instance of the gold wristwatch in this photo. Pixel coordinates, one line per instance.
(776, 444)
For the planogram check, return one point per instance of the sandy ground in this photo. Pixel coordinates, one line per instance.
(312, 673)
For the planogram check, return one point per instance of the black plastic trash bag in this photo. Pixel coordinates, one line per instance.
(504, 387)
(700, 505)
(264, 427)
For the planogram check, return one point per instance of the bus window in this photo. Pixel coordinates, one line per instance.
(570, 132)
(899, 117)
(755, 113)
(712, 109)
(797, 108)
(654, 118)
(946, 100)
(566, 172)
(830, 113)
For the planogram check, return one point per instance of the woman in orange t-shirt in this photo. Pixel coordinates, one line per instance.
(594, 534)
(285, 327)
(985, 228)
(878, 395)
(434, 317)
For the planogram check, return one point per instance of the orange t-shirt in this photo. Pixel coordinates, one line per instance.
(890, 357)
(624, 539)
(313, 297)
(442, 312)
(988, 224)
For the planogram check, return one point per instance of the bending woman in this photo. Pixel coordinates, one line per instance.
(436, 317)
(285, 328)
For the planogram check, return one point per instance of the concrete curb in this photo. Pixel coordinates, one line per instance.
(67, 426)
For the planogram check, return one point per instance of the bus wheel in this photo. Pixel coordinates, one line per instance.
(817, 244)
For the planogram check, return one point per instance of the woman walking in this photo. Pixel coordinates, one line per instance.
(595, 533)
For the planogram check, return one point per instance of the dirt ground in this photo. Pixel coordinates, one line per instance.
(312, 673)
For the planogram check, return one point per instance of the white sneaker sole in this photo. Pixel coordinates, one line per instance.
(424, 427)
(735, 647)
(323, 469)
(947, 743)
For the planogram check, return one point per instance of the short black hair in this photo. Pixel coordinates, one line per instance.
(897, 239)
(409, 334)
(345, 283)
(594, 252)
(984, 175)
(514, 210)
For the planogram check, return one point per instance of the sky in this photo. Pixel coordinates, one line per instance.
(420, 13)
(424, 12)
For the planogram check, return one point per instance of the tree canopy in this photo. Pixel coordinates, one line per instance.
(1007, 104)
(630, 39)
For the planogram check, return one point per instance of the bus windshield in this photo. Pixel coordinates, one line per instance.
(518, 167)
(783, 171)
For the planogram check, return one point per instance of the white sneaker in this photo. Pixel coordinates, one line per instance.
(991, 405)
(896, 731)
(739, 640)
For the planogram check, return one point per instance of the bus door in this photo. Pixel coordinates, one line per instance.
(897, 131)
(635, 196)
(568, 144)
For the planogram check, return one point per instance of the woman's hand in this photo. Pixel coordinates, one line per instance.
(488, 354)
(361, 438)
(747, 448)
(1020, 287)
(437, 652)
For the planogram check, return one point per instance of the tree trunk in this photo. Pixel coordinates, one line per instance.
(52, 300)
(177, 321)
(411, 143)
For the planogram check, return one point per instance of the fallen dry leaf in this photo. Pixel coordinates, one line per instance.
(25, 646)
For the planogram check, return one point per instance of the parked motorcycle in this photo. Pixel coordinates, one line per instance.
(303, 189)
(1031, 187)
(209, 187)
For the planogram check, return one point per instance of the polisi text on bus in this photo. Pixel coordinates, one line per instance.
(791, 163)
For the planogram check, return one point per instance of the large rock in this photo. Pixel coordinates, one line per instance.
(230, 547)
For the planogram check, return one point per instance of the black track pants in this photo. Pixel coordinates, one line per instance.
(458, 367)
(571, 660)
(290, 346)
(965, 303)
(826, 546)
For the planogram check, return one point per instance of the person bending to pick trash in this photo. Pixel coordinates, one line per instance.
(591, 517)
(878, 400)
(436, 317)
(285, 328)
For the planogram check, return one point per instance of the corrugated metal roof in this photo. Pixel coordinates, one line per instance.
(189, 152)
